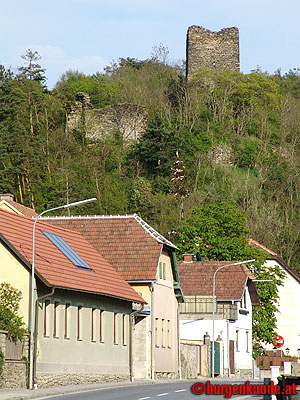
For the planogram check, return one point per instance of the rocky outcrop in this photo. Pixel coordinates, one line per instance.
(128, 120)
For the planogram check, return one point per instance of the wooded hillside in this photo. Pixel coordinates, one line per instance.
(230, 136)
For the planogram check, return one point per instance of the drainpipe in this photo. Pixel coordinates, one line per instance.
(131, 324)
(36, 327)
(178, 341)
(152, 333)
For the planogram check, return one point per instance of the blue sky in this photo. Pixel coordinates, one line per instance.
(87, 35)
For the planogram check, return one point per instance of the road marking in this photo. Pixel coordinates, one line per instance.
(162, 394)
(144, 398)
(180, 390)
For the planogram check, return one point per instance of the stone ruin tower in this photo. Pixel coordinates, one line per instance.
(212, 50)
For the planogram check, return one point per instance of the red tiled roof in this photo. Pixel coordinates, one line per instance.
(55, 267)
(28, 212)
(196, 278)
(127, 242)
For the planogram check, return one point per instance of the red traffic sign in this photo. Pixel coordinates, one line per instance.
(278, 341)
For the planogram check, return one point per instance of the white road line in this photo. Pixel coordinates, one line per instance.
(162, 394)
(180, 390)
(144, 398)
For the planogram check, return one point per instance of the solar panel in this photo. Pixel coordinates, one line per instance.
(67, 250)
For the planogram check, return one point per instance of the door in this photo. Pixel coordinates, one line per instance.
(217, 357)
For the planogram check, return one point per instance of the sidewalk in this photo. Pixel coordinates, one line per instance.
(59, 390)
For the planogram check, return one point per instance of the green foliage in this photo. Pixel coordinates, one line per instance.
(10, 321)
(217, 231)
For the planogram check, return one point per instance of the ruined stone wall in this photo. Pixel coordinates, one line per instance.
(212, 50)
(128, 120)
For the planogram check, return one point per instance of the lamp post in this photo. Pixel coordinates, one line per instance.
(32, 316)
(213, 320)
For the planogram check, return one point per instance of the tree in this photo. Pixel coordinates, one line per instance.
(32, 70)
(10, 321)
(217, 230)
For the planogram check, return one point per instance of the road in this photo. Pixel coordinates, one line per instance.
(163, 391)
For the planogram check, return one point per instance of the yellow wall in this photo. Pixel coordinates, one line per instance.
(12, 272)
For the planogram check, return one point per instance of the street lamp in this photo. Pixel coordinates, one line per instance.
(213, 320)
(31, 350)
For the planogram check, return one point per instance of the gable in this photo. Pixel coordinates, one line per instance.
(14, 272)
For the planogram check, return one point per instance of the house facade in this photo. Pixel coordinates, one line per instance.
(235, 294)
(82, 305)
(288, 315)
(147, 261)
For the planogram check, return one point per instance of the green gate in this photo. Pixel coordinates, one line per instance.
(217, 358)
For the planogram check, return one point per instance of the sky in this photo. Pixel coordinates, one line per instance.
(87, 35)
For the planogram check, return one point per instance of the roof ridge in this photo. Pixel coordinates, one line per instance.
(156, 235)
(256, 243)
(148, 228)
(89, 216)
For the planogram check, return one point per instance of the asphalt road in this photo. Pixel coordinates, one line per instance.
(163, 391)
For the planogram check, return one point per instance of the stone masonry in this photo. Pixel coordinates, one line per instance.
(212, 50)
(128, 120)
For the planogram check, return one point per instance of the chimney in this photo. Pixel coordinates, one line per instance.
(7, 196)
(188, 258)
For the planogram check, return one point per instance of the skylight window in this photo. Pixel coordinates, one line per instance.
(67, 250)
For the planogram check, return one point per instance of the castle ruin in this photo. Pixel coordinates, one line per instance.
(212, 50)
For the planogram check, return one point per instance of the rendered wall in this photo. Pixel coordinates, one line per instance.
(12, 272)
(62, 360)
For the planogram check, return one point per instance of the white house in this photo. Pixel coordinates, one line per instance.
(235, 295)
(288, 315)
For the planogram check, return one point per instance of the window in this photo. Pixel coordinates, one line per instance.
(93, 324)
(67, 250)
(67, 321)
(101, 316)
(56, 319)
(245, 297)
(163, 333)
(169, 333)
(162, 270)
(79, 311)
(124, 337)
(247, 341)
(156, 332)
(115, 328)
(237, 340)
(46, 318)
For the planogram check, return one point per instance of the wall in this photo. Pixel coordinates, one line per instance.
(288, 316)
(15, 367)
(129, 120)
(66, 360)
(212, 50)
(12, 272)
(166, 354)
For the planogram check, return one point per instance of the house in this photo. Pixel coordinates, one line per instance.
(235, 295)
(7, 203)
(147, 261)
(83, 306)
(288, 315)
